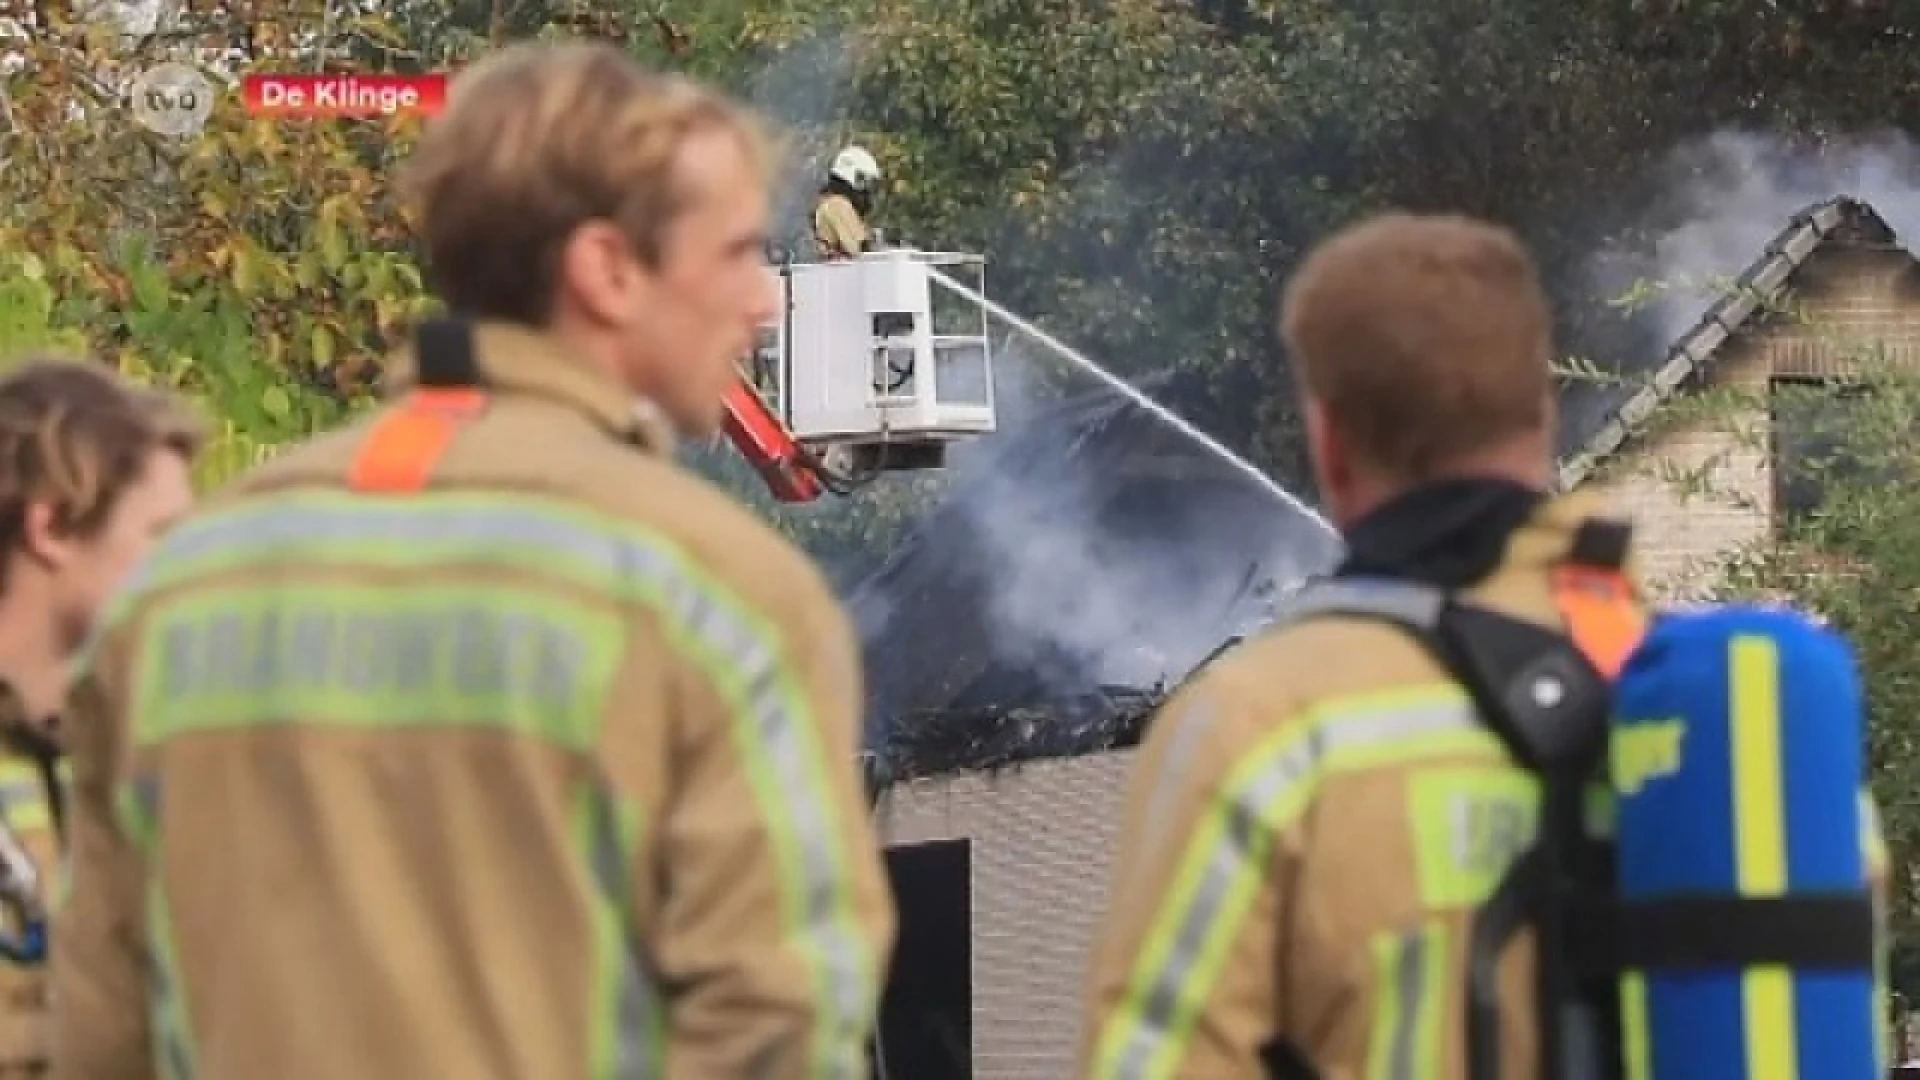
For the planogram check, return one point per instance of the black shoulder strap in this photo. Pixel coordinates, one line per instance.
(1601, 543)
(444, 354)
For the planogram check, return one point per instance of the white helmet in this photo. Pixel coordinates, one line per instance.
(856, 168)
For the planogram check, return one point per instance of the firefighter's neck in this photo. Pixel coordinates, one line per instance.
(596, 348)
(32, 660)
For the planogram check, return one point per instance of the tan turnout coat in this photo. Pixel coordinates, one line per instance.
(547, 770)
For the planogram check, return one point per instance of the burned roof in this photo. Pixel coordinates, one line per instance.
(1084, 563)
(1842, 220)
(1079, 565)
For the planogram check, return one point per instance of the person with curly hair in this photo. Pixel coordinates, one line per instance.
(92, 469)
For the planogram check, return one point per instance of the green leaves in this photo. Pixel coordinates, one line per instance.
(277, 403)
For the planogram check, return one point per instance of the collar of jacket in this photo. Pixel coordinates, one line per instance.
(1454, 533)
(518, 360)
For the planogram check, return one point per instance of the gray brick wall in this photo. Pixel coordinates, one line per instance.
(1043, 839)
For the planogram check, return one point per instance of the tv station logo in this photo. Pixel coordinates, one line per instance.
(172, 99)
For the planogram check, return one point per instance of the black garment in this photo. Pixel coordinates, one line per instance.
(1448, 534)
(861, 200)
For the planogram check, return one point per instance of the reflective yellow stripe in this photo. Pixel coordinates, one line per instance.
(1225, 862)
(172, 1029)
(1410, 977)
(1761, 846)
(30, 817)
(1873, 847)
(25, 803)
(1873, 841)
(1636, 1049)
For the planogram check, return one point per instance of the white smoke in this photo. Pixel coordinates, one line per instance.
(1731, 193)
(1122, 606)
(806, 88)
(1087, 590)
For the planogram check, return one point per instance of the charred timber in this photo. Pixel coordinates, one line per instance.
(942, 742)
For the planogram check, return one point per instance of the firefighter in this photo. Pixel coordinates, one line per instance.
(480, 739)
(91, 470)
(840, 215)
(1295, 875)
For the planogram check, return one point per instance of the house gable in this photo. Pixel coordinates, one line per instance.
(1830, 289)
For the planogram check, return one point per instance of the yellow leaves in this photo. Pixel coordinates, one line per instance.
(323, 346)
(389, 314)
(307, 273)
(243, 268)
(378, 30)
(268, 137)
(331, 232)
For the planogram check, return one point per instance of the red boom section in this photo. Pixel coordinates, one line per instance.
(763, 440)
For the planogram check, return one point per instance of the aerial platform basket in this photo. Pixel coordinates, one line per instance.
(877, 361)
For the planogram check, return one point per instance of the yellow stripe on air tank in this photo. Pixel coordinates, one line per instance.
(1636, 1049)
(1761, 850)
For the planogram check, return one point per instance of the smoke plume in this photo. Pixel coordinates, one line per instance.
(806, 89)
(1106, 588)
(1109, 562)
(1729, 194)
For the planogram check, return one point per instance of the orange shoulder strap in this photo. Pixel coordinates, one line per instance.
(1603, 616)
(403, 447)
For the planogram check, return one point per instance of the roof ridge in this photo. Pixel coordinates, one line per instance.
(1841, 218)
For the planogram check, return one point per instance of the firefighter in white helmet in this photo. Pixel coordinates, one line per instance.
(840, 216)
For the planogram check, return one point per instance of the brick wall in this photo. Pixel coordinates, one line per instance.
(1700, 490)
(1043, 838)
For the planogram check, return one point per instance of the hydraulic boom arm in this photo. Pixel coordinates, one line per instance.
(766, 443)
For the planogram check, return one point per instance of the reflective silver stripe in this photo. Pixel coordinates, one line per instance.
(778, 736)
(1410, 969)
(1194, 723)
(1410, 982)
(1190, 935)
(851, 989)
(1406, 602)
(637, 1019)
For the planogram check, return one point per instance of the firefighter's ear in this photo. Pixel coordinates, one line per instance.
(1332, 466)
(42, 540)
(600, 274)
